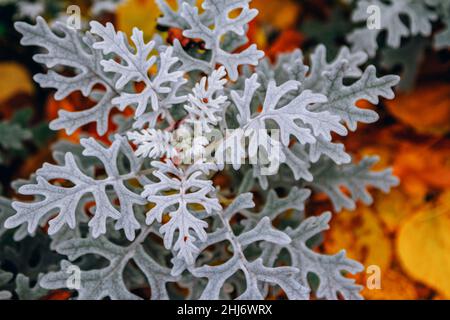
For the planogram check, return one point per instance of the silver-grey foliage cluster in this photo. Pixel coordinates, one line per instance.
(404, 33)
(159, 221)
(420, 16)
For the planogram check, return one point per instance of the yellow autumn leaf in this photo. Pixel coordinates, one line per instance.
(423, 245)
(361, 233)
(141, 14)
(394, 207)
(14, 79)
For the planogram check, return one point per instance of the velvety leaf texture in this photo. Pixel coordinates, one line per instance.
(201, 192)
(419, 17)
(64, 200)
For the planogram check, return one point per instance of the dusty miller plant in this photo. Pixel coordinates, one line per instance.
(404, 33)
(143, 212)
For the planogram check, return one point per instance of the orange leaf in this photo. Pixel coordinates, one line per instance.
(281, 14)
(421, 166)
(361, 234)
(426, 109)
(287, 41)
(58, 295)
(394, 286)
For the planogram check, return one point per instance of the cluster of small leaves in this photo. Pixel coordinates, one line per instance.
(30, 9)
(17, 136)
(337, 106)
(13, 137)
(25, 258)
(420, 19)
(158, 219)
(404, 40)
(220, 33)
